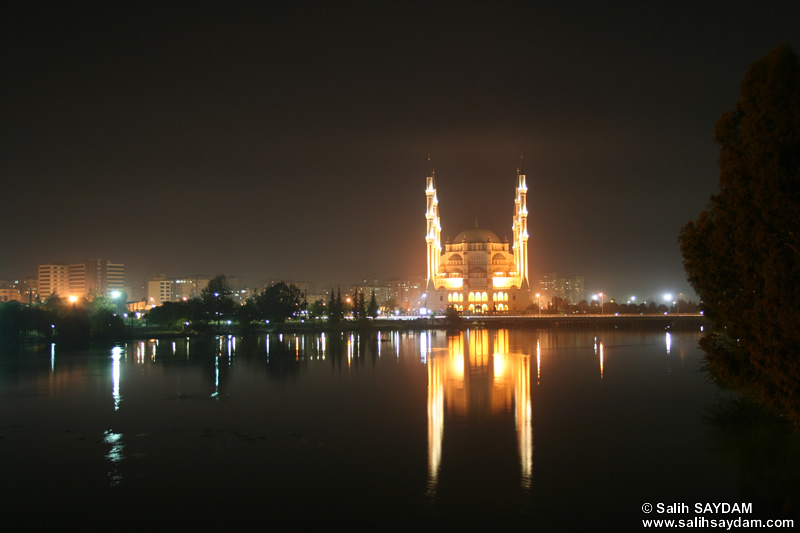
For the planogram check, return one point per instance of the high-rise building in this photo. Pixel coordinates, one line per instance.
(96, 276)
(93, 277)
(569, 288)
(477, 272)
(189, 287)
(53, 278)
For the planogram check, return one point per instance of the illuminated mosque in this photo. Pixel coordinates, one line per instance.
(477, 272)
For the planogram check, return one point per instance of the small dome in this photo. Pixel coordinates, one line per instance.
(476, 234)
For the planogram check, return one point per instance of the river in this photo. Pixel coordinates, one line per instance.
(539, 429)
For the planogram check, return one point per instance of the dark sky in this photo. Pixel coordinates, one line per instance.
(271, 142)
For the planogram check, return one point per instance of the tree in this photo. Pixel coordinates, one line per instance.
(372, 309)
(217, 302)
(170, 315)
(279, 302)
(742, 254)
(316, 309)
(336, 307)
(360, 306)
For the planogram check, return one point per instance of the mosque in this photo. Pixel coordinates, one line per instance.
(478, 272)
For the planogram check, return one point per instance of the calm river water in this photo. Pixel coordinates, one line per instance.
(539, 429)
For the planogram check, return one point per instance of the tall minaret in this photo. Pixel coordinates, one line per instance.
(521, 227)
(434, 231)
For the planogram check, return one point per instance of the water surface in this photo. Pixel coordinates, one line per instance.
(506, 427)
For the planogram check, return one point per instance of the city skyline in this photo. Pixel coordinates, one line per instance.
(272, 143)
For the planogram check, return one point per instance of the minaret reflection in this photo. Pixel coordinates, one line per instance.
(479, 381)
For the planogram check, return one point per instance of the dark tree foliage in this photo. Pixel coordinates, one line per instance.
(742, 254)
(217, 302)
(247, 315)
(335, 307)
(316, 309)
(360, 306)
(279, 302)
(171, 314)
(372, 308)
(12, 323)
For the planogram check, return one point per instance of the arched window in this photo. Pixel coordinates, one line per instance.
(471, 297)
(449, 298)
(484, 297)
(505, 297)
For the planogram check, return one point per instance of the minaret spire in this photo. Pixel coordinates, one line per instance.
(520, 226)
(434, 228)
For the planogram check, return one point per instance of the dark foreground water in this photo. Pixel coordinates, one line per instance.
(534, 430)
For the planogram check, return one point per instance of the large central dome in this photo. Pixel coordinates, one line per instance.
(476, 234)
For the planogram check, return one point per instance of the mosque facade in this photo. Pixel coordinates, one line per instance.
(478, 273)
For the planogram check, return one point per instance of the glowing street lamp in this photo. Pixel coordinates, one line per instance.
(601, 296)
(668, 298)
(539, 303)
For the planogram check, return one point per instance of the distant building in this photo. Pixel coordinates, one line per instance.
(572, 289)
(189, 287)
(477, 272)
(53, 278)
(406, 293)
(95, 276)
(383, 292)
(159, 290)
(568, 288)
(23, 290)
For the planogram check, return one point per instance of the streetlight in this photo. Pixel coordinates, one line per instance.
(601, 295)
(539, 303)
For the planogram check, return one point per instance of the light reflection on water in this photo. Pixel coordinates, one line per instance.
(440, 423)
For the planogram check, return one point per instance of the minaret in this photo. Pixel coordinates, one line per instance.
(434, 230)
(521, 227)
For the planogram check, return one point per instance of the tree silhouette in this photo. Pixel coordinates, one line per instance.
(372, 309)
(742, 254)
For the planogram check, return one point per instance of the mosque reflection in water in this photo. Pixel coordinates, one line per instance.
(478, 373)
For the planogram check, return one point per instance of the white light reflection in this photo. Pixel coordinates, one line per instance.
(216, 377)
(52, 357)
(424, 346)
(669, 342)
(116, 354)
(114, 455)
(538, 361)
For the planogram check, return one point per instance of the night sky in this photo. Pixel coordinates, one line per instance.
(268, 143)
